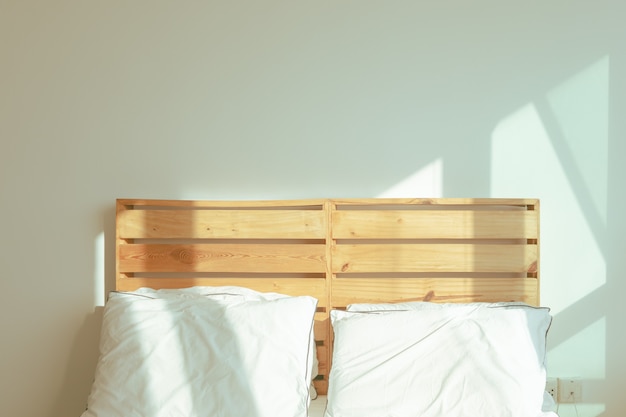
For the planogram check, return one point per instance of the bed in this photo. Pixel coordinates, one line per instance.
(356, 268)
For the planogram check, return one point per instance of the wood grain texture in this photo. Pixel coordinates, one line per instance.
(434, 224)
(138, 204)
(216, 224)
(503, 202)
(206, 257)
(442, 257)
(441, 290)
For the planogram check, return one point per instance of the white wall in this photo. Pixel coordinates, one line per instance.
(280, 99)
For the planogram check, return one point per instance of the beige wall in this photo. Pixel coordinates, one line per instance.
(282, 99)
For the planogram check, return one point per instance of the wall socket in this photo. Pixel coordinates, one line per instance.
(570, 390)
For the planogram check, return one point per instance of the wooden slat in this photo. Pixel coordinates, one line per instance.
(138, 203)
(321, 357)
(322, 386)
(434, 224)
(321, 330)
(452, 290)
(468, 202)
(221, 258)
(216, 224)
(433, 258)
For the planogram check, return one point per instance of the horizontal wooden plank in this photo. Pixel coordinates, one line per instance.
(221, 258)
(321, 327)
(321, 386)
(222, 224)
(322, 357)
(433, 258)
(512, 202)
(434, 224)
(450, 290)
(135, 203)
(323, 350)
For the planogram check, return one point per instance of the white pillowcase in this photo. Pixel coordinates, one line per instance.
(173, 353)
(426, 305)
(548, 401)
(230, 291)
(461, 360)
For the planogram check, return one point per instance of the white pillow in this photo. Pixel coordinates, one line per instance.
(229, 291)
(186, 354)
(469, 360)
(425, 305)
(548, 401)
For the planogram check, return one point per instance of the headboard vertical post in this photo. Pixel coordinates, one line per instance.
(329, 207)
(121, 207)
(536, 208)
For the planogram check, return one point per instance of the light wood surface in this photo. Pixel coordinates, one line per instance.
(340, 251)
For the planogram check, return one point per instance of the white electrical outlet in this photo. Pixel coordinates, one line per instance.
(552, 388)
(570, 390)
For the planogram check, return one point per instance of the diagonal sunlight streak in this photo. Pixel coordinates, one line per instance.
(575, 115)
(570, 321)
(595, 218)
(579, 109)
(524, 162)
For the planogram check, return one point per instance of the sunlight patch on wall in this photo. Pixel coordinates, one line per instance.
(525, 163)
(556, 149)
(427, 182)
(581, 106)
(592, 341)
(98, 271)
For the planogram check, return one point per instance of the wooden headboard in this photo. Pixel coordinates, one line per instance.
(340, 251)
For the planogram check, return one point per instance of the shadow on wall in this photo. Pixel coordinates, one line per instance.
(84, 353)
(85, 350)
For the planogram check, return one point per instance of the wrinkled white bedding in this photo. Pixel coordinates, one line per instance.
(160, 351)
(166, 354)
(461, 360)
